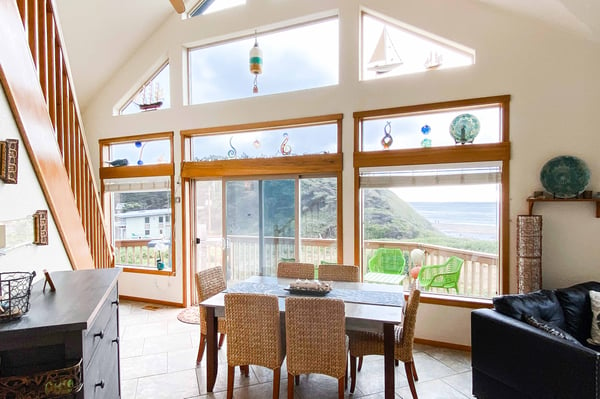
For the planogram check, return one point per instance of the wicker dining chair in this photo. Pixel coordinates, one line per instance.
(209, 282)
(336, 272)
(316, 339)
(254, 335)
(366, 343)
(296, 270)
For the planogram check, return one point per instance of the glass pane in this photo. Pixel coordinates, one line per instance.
(242, 224)
(318, 220)
(431, 129)
(140, 152)
(280, 222)
(142, 229)
(210, 6)
(390, 50)
(153, 95)
(443, 221)
(298, 58)
(209, 224)
(304, 140)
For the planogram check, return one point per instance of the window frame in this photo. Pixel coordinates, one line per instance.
(132, 171)
(313, 165)
(442, 155)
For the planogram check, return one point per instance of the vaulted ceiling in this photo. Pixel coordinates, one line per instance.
(101, 35)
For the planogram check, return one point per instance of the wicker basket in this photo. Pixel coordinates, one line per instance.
(61, 383)
(15, 288)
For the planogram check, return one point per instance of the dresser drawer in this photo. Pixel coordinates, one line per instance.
(101, 376)
(97, 333)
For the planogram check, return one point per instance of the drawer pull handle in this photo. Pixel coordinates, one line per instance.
(115, 302)
(100, 334)
(116, 340)
(100, 384)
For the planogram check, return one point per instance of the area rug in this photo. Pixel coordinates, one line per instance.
(189, 315)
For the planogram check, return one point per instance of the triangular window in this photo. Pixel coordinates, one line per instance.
(391, 48)
(210, 6)
(152, 95)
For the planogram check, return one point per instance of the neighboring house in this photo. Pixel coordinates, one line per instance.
(153, 223)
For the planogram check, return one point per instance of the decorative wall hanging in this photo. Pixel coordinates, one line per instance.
(40, 227)
(151, 97)
(285, 148)
(565, 176)
(426, 142)
(529, 253)
(9, 160)
(464, 128)
(256, 61)
(387, 139)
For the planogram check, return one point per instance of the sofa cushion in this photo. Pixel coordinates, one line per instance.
(543, 305)
(575, 301)
(549, 328)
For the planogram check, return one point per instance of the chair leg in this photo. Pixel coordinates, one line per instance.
(290, 386)
(360, 359)
(276, 379)
(408, 367)
(352, 373)
(414, 369)
(245, 370)
(221, 339)
(297, 379)
(201, 349)
(341, 388)
(230, 377)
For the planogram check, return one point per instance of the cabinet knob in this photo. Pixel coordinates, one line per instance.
(99, 334)
(116, 340)
(100, 384)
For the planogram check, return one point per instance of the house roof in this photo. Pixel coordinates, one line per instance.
(101, 35)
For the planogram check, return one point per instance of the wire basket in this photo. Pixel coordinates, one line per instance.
(58, 383)
(15, 288)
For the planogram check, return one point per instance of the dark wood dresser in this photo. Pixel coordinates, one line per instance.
(79, 321)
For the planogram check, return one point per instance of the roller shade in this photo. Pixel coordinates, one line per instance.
(430, 176)
(137, 184)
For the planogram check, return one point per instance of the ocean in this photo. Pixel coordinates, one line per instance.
(476, 220)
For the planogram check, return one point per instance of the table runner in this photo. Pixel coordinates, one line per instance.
(354, 296)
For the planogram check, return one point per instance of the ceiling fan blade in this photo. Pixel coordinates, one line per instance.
(178, 6)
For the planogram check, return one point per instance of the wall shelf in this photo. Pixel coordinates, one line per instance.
(532, 200)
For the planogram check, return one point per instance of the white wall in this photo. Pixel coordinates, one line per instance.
(550, 74)
(21, 200)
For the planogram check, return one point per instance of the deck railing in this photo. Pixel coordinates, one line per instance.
(45, 43)
(479, 275)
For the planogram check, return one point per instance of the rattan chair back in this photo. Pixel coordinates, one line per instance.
(335, 272)
(209, 282)
(315, 336)
(299, 270)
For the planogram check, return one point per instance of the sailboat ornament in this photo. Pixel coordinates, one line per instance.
(385, 57)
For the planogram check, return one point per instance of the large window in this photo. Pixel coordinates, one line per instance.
(295, 58)
(437, 201)
(137, 188)
(252, 212)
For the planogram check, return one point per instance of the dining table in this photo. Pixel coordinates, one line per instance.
(368, 307)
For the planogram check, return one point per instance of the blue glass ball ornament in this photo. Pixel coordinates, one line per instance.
(140, 162)
(425, 129)
(138, 144)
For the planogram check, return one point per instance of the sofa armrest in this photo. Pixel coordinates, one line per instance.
(529, 360)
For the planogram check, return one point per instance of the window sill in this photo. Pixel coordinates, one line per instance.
(164, 272)
(455, 301)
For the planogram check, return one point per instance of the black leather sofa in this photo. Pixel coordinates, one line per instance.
(513, 359)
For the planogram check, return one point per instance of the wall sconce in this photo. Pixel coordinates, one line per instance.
(40, 227)
(9, 159)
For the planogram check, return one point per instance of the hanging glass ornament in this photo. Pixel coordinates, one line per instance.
(426, 142)
(285, 148)
(387, 140)
(256, 144)
(233, 152)
(140, 145)
(256, 61)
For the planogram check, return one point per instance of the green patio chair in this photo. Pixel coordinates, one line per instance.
(387, 261)
(445, 275)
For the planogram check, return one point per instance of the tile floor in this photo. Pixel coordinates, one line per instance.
(158, 360)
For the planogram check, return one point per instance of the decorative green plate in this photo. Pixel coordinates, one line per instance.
(464, 128)
(565, 176)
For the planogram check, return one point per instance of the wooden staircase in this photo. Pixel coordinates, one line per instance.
(35, 75)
